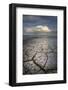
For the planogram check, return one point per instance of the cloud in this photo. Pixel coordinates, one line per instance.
(28, 30)
(38, 28)
(41, 28)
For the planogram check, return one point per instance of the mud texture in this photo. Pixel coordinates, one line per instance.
(39, 56)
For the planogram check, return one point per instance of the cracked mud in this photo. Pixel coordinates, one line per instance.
(39, 56)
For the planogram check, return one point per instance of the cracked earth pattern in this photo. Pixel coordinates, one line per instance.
(39, 56)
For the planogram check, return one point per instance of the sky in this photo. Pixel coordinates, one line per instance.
(34, 23)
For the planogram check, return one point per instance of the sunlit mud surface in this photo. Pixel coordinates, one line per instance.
(40, 56)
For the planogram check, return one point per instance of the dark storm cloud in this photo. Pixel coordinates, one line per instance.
(30, 21)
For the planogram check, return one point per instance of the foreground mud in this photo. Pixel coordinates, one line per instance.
(39, 56)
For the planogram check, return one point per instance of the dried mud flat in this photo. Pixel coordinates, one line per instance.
(39, 56)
